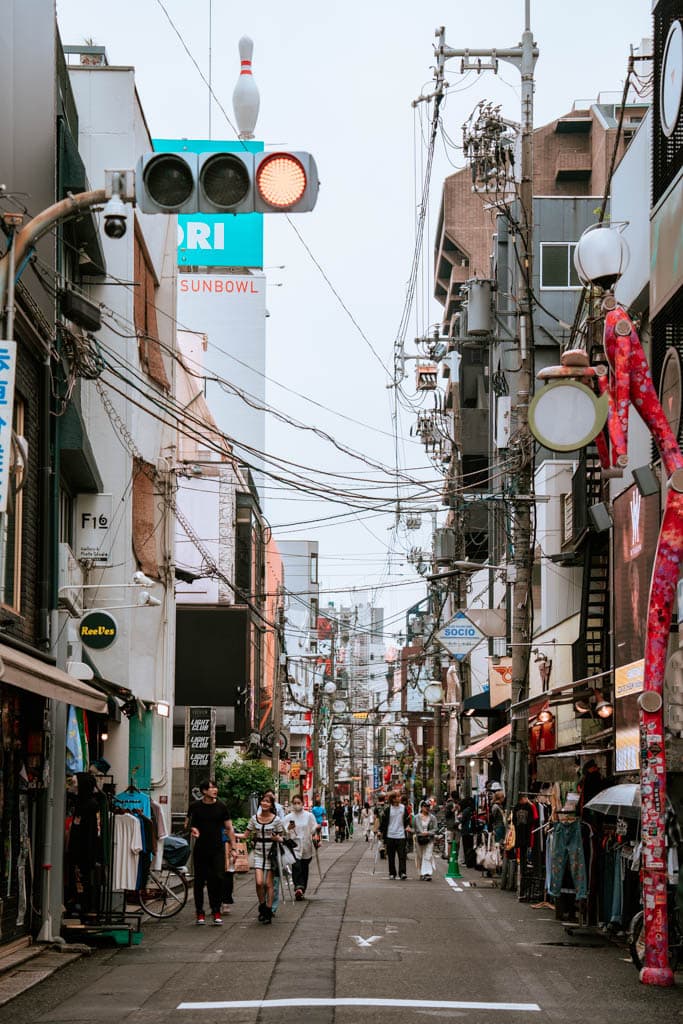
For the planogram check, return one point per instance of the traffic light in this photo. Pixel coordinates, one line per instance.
(242, 182)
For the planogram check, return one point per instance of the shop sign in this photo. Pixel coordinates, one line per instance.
(460, 636)
(8, 365)
(200, 738)
(295, 770)
(93, 519)
(98, 630)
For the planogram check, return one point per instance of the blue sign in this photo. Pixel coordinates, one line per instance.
(376, 776)
(217, 239)
(8, 367)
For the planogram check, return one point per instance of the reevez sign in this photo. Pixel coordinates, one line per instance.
(217, 239)
(460, 636)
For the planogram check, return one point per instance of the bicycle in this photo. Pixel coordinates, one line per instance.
(165, 893)
(637, 934)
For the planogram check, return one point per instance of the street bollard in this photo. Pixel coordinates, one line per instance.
(453, 866)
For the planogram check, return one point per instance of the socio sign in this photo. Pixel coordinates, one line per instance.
(460, 636)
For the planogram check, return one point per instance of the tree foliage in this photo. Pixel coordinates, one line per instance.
(238, 780)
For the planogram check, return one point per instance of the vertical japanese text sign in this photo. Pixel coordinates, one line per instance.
(8, 366)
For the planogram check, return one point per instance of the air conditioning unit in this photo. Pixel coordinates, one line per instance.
(70, 581)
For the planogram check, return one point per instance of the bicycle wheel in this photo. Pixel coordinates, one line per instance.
(165, 894)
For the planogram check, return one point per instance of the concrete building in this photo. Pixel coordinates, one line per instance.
(134, 451)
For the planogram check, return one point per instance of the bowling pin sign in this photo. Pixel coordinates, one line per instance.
(245, 98)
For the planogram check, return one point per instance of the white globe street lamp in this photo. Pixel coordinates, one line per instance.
(601, 255)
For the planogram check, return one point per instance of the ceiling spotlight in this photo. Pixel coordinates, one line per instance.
(163, 708)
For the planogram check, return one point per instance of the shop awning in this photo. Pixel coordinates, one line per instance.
(487, 743)
(45, 679)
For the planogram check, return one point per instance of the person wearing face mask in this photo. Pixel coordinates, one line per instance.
(307, 833)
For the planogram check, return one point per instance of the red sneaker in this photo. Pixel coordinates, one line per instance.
(201, 919)
(217, 919)
(298, 894)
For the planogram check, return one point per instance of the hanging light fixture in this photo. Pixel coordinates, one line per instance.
(604, 707)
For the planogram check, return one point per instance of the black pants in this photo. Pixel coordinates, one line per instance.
(396, 846)
(300, 872)
(209, 871)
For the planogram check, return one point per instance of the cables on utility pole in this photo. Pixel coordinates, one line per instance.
(489, 175)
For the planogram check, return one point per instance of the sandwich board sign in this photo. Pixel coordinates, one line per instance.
(460, 636)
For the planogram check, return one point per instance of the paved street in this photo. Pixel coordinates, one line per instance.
(360, 937)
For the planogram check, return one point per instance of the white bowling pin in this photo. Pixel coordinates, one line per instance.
(245, 98)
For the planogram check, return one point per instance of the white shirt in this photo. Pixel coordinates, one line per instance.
(127, 847)
(305, 826)
(396, 829)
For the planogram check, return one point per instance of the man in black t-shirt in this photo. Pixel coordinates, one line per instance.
(206, 819)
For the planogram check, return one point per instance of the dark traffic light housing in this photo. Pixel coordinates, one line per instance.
(227, 182)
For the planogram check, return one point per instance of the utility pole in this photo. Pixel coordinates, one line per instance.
(523, 57)
(330, 738)
(278, 689)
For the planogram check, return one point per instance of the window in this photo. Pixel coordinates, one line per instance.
(66, 517)
(11, 522)
(314, 567)
(314, 613)
(557, 265)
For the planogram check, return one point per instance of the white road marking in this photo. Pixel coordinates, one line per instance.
(365, 943)
(414, 1004)
(454, 885)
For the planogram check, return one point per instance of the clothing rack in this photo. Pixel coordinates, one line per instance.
(110, 922)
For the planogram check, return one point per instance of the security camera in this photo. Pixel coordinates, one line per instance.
(140, 580)
(115, 216)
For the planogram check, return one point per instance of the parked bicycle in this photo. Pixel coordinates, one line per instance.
(637, 934)
(166, 890)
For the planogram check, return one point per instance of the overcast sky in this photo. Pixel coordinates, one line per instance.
(338, 79)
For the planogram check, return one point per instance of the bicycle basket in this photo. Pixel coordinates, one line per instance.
(176, 851)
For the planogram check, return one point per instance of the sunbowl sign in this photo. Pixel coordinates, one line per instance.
(460, 636)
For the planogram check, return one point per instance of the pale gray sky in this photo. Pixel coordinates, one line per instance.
(338, 79)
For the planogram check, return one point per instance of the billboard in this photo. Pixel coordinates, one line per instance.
(636, 529)
(230, 310)
(217, 239)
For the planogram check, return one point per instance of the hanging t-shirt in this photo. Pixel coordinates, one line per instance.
(208, 819)
(134, 799)
(127, 849)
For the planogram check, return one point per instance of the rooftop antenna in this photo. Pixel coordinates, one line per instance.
(245, 98)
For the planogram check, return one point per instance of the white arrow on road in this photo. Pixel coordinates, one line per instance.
(365, 943)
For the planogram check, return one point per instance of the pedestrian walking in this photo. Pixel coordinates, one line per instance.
(468, 831)
(451, 820)
(425, 826)
(366, 819)
(339, 821)
(348, 815)
(266, 829)
(206, 819)
(395, 829)
(307, 834)
(280, 811)
(318, 810)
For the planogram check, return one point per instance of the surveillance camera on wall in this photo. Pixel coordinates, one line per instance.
(115, 217)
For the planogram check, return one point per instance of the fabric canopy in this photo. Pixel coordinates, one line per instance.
(486, 743)
(45, 679)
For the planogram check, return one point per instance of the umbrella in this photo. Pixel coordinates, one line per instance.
(622, 801)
